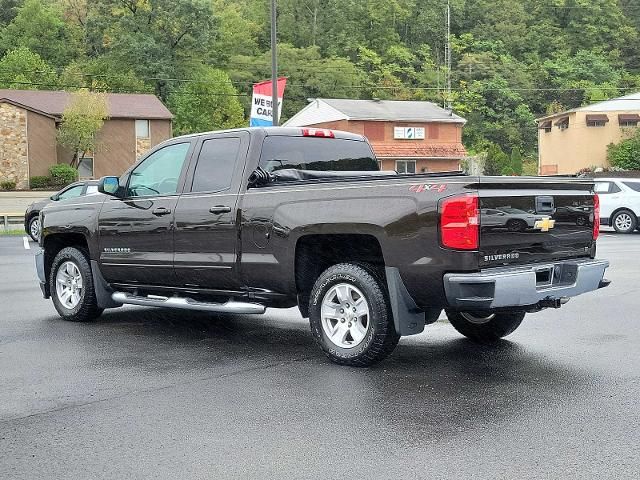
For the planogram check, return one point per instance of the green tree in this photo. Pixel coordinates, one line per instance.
(309, 76)
(516, 161)
(102, 74)
(8, 11)
(209, 103)
(40, 27)
(25, 70)
(496, 160)
(82, 119)
(159, 40)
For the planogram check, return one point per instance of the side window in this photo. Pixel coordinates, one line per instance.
(91, 189)
(158, 174)
(71, 192)
(216, 164)
(614, 188)
(633, 185)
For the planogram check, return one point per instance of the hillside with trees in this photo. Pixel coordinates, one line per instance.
(513, 60)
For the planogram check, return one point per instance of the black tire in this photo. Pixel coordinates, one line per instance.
(630, 225)
(380, 338)
(516, 225)
(30, 229)
(491, 330)
(87, 308)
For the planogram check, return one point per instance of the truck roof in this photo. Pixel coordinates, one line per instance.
(282, 131)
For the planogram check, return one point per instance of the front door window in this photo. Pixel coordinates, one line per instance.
(158, 174)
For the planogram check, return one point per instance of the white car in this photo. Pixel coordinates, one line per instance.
(514, 219)
(619, 203)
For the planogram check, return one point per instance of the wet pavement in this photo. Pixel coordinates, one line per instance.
(145, 393)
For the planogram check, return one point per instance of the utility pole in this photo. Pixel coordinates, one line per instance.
(447, 49)
(274, 66)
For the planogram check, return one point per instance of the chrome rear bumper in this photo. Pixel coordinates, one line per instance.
(539, 285)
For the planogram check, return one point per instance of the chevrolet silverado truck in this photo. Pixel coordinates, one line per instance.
(237, 221)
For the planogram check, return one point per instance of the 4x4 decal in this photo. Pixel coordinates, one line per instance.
(424, 187)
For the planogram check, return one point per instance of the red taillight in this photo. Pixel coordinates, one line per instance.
(596, 216)
(317, 132)
(460, 222)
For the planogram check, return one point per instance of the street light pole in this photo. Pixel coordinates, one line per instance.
(274, 66)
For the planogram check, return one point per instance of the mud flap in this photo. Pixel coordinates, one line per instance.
(408, 319)
(102, 288)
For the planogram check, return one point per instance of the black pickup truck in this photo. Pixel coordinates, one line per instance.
(240, 220)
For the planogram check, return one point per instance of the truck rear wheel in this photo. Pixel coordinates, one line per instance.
(350, 316)
(71, 286)
(485, 327)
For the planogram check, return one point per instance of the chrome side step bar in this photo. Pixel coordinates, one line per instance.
(230, 306)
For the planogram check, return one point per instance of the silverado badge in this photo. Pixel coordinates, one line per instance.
(544, 225)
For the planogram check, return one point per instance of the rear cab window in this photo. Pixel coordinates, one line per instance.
(316, 154)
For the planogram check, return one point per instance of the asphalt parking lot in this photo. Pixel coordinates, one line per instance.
(145, 393)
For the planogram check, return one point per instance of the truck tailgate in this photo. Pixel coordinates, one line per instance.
(532, 220)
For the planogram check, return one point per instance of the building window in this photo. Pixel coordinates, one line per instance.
(628, 119)
(406, 166)
(597, 120)
(562, 123)
(142, 128)
(546, 126)
(85, 167)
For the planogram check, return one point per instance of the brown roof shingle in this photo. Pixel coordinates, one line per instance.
(419, 150)
(121, 105)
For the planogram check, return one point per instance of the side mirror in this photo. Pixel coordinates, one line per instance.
(54, 197)
(109, 186)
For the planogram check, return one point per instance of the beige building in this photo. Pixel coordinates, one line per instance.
(29, 120)
(578, 138)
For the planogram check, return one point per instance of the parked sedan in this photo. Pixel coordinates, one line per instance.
(619, 203)
(77, 189)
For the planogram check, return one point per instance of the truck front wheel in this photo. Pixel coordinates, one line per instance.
(350, 316)
(485, 327)
(71, 286)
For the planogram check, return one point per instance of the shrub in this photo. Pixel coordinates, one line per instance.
(62, 175)
(530, 167)
(626, 154)
(39, 181)
(8, 185)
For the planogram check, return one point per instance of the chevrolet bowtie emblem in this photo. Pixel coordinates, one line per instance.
(544, 225)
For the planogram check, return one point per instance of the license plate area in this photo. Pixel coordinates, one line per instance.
(559, 275)
(544, 277)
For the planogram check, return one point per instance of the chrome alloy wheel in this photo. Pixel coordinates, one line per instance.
(623, 221)
(69, 285)
(34, 228)
(477, 319)
(345, 315)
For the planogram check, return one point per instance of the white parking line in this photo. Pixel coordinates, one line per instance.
(25, 241)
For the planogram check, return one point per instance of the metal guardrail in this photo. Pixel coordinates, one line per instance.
(7, 215)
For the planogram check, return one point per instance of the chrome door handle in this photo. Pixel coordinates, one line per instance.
(161, 211)
(220, 209)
